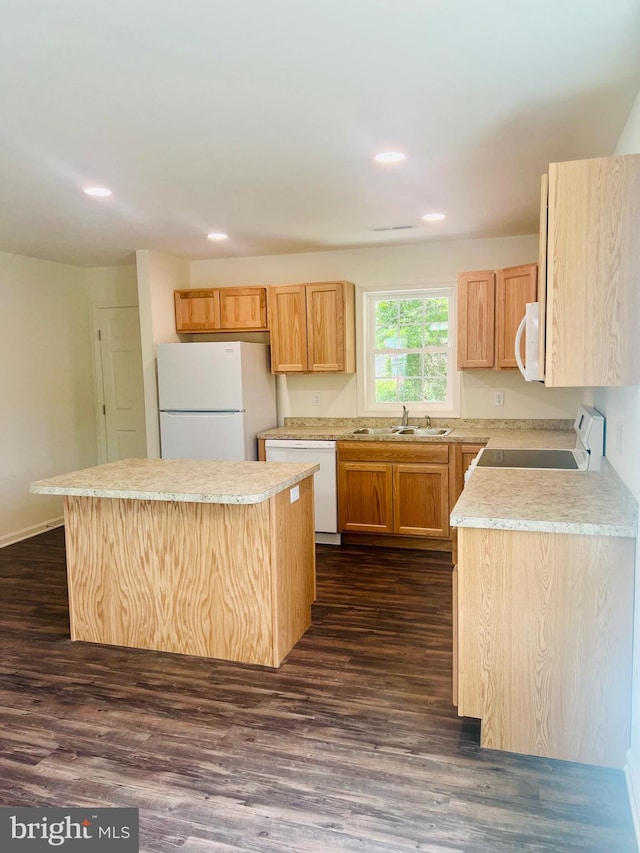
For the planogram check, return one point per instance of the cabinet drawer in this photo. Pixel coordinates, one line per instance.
(393, 451)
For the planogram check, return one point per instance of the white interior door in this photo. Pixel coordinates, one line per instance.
(122, 383)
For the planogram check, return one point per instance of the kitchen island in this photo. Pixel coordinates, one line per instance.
(215, 559)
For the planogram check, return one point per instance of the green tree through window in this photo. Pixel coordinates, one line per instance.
(411, 357)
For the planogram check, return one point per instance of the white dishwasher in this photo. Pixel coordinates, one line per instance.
(322, 453)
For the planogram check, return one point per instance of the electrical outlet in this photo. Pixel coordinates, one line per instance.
(315, 399)
(498, 398)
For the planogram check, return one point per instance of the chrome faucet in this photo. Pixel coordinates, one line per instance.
(405, 416)
(427, 421)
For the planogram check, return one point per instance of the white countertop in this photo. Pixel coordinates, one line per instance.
(179, 480)
(584, 502)
(557, 434)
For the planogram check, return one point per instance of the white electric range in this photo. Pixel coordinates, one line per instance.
(586, 456)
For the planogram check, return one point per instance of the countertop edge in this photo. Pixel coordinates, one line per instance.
(587, 503)
(40, 488)
(540, 526)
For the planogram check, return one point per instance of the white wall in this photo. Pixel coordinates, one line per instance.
(47, 423)
(395, 267)
(621, 406)
(112, 287)
(158, 276)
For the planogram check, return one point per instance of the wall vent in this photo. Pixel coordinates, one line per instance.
(393, 228)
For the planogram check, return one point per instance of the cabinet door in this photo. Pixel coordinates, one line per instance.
(197, 310)
(476, 319)
(243, 308)
(365, 497)
(288, 321)
(330, 327)
(421, 500)
(515, 287)
(593, 269)
(325, 340)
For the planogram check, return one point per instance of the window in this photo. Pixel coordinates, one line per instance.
(410, 355)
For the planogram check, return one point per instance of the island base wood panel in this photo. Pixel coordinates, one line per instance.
(544, 642)
(293, 563)
(228, 581)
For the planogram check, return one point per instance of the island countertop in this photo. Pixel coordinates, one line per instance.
(179, 480)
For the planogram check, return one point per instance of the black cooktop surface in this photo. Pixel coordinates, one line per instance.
(563, 460)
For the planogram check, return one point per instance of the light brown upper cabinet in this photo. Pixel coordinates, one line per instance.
(590, 241)
(243, 308)
(476, 319)
(313, 327)
(491, 304)
(225, 309)
(197, 310)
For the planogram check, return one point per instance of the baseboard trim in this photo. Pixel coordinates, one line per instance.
(388, 540)
(632, 774)
(328, 538)
(28, 532)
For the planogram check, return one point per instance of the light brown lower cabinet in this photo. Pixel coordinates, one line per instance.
(392, 488)
(421, 500)
(544, 640)
(464, 454)
(366, 496)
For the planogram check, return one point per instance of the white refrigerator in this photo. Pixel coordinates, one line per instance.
(213, 399)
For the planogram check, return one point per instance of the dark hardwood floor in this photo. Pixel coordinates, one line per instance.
(353, 745)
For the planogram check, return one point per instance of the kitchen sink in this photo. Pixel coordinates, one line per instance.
(374, 431)
(423, 431)
(400, 430)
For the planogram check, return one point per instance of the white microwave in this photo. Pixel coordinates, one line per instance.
(531, 369)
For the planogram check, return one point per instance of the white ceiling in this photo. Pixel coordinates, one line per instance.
(260, 118)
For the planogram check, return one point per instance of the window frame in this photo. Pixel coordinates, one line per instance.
(367, 404)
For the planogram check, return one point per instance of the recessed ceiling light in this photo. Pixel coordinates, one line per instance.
(434, 217)
(99, 192)
(218, 235)
(390, 157)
